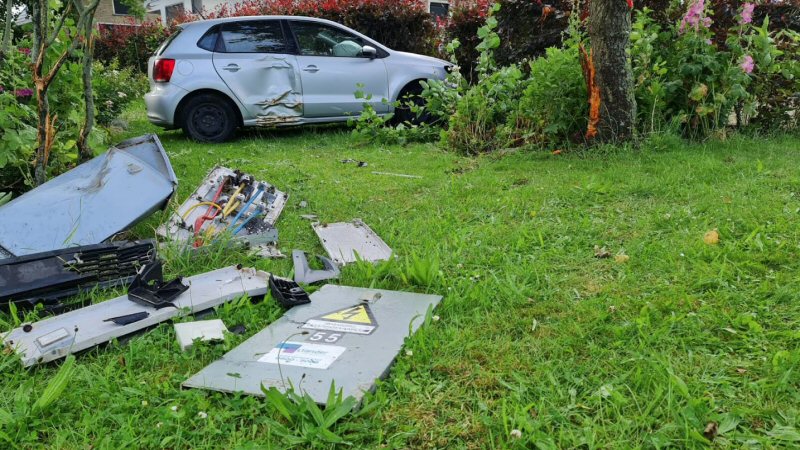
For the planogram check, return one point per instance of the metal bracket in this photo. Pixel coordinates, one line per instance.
(303, 273)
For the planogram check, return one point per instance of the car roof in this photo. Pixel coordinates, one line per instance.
(210, 22)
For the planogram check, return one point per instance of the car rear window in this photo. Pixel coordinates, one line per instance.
(166, 43)
(253, 36)
(209, 40)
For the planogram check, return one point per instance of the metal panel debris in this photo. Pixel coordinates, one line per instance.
(229, 201)
(91, 202)
(344, 240)
(81, 329)
(346, 335)
(50, 276)
(303, 273)
(204, 330)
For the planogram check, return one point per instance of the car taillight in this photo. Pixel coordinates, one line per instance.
(162, 70)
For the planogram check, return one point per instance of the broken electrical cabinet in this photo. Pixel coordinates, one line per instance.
(287, 292)
(303, 273)
(347, 242)
(347, 336)
(149, 289)
(50, 276)
(81, 329)
(229, 201)
(90, 203)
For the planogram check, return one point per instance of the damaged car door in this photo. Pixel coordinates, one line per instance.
(254, 59)
(334, 64)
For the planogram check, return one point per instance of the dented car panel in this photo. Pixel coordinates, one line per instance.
(268, 85)
(91, 202)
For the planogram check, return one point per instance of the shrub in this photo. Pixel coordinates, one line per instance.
(462, 26)
(19, 118)
(114, 89)
(553, 107)
(526, 29)
(403, 25)
(480, 114)
(683, 73)
(130, 44)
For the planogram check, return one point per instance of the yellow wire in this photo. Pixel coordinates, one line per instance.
(212, 204)
(227, 210)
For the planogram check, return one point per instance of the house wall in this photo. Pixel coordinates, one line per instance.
(105, 14)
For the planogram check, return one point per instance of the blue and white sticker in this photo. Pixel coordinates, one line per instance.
(303, 354)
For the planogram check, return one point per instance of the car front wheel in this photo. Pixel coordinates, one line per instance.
(209, 118)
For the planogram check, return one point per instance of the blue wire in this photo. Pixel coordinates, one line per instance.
(249, 202)
(255, 214)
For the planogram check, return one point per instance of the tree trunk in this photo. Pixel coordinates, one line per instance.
(609, 35)
(84, 149)
(7, 30)
(40, 37)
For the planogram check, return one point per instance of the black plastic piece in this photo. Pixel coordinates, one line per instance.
(238, 329)
(149, 288)
(48, 277)
(287, 293)
(129, 318)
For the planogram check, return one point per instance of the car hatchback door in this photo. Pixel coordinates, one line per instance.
(254, 60)
(332, 69)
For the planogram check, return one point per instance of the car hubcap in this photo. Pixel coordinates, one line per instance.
(208, 120)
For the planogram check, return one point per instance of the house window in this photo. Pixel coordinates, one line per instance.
(173, 12)
(121, 9)
(440, 9)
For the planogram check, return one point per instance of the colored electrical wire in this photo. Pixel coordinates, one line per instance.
(247, 206)
(198, 224)
(232, 203)
(211, 204)
(242, 225)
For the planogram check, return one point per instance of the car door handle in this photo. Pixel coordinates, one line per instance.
(231, 68)
(311, 69)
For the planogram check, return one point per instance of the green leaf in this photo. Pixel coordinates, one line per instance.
(56, 386)
(784, 433)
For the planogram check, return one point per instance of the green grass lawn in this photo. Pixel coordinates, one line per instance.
(535, 333)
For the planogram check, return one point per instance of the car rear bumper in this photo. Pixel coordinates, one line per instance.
(162, 102)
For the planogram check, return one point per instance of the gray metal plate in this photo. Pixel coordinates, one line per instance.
(91, 202)
(344, 240)
(78, 330)
(346, 335)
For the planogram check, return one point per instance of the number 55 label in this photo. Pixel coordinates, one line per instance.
(324, 336)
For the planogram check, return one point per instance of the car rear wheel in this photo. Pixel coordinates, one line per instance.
(411, 94)
(209, 118)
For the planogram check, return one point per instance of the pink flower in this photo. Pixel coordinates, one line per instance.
(748, 64)
(747, 13)
(694, 17)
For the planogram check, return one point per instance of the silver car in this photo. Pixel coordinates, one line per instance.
(213, 76)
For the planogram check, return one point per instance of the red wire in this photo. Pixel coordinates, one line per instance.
(202, 219)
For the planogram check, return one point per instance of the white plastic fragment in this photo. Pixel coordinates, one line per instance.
(205, 330)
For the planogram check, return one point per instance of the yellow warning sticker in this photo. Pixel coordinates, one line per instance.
(356, 319)
(355, 314)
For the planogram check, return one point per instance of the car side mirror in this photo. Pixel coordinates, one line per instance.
(369, 51)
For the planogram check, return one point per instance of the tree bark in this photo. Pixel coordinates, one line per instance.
(609, 35)
(7, 30)
(84, 149)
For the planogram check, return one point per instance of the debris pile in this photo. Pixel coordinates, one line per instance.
(58, 240)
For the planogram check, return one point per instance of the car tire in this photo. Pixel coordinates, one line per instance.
(402, 113)
(209, 118)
